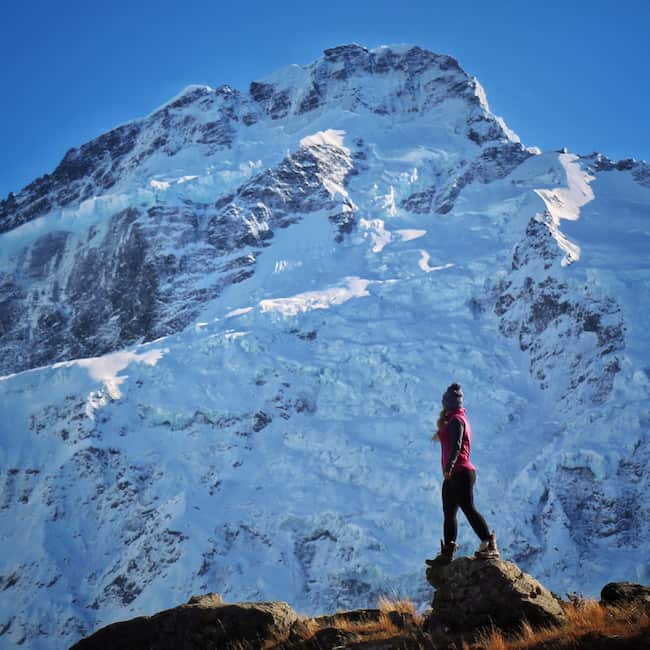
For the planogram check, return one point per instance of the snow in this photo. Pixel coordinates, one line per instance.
(565, 202)
(105, 369)
(238, 312)
(389, 203)
(232, 335)
(72, 220)
(184, 179)
(291, 76)
(426, 267)
(375, 229)
(352, 287)
(397, 48)
(480, 93)
(160, 185)
(186, 91)
(510, 134)
(409, 234)
(331, 137)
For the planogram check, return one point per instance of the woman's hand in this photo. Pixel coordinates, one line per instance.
(447, 475)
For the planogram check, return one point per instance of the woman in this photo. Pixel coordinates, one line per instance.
(455, 437)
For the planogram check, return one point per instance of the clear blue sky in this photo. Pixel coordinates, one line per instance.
(569, 73)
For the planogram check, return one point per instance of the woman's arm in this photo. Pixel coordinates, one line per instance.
(456, 433)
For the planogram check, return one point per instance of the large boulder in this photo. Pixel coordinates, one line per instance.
(205, 623)
(472, 594)
(623, 593)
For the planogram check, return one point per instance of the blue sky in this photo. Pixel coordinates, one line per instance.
(572, 73)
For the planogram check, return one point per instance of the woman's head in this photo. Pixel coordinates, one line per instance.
(452, 398)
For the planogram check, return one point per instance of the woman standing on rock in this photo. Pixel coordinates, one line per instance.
(455, 437)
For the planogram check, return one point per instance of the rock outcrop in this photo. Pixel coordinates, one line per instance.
(472, 599)
(473, 594)
(204, 623)
(623, 593)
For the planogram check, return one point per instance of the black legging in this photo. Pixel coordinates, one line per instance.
(458, 491)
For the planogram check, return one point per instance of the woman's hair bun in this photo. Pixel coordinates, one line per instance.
(453, 397)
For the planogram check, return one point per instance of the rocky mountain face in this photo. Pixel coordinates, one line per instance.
(225, 329)
(144, 271)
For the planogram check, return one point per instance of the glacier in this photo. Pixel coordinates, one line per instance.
(226, 328)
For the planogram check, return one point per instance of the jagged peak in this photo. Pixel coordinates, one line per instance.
(398, 48)
(354, 50)
(413, 82)
(404, 80)
(346, 51)
(639, 169)
(189, 94)
(226, 89)
(607, 163)
(377, 60)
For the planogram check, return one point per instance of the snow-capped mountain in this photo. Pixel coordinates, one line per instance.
(226, 328)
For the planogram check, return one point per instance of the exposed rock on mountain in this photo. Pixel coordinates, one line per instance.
(543, 314)
(202, 624)
(621, 593)
(143, 275)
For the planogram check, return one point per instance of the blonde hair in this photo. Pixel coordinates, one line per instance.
(442, 419)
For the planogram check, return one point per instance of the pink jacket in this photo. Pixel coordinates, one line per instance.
(462, 461)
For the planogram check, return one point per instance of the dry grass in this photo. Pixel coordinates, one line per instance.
(370, 629)
(399, 605)
(383, 628)
(582, 617)
(309, 627)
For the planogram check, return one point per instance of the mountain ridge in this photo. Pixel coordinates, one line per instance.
(222, 101)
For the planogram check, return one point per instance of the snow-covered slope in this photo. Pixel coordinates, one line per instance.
(226, 328)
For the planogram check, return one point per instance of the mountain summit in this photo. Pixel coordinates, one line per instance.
(401, 85)
(196, 171)
(226, 328)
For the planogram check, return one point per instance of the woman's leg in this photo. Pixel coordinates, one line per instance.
(465, 491)
(449, 508)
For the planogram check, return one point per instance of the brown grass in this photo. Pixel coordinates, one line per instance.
(582, 617)
(370, 630)
(399, 605)
(309, 627)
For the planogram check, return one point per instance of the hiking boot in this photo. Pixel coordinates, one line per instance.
(445, 556)
(488, 549)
